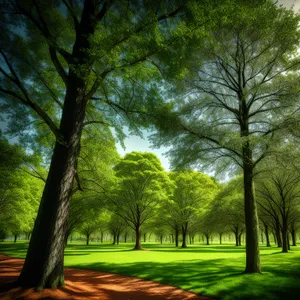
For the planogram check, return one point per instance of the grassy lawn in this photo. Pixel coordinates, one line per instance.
(209, 270)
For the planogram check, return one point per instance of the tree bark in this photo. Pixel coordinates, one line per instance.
(15, 238)
(44, 263)
(138, 245)
(251, 219)
(220, 235)
(87, 239)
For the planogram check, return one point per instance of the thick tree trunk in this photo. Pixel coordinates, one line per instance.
(87, 239)
(184, 232)
(118, 238)
(138, 245)
(15, 238)
(161, 239)
(251, 219)
(114, 238)
(145, 237)
(101, 237)
(220, 236)
(44, 263)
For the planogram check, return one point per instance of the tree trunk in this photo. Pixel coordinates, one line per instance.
(278, 235)
(184, 232)
(114, 238)
(220, 235)
(176, 237)
(44, 263)
(251, 219)
(138, 245)
(293, 234)
(87, 239)
(207, 238)
(284, 238)
(236, 235)
(267, 235)
(240, 239)
(118, 238)
(161, 239)
(101, 237)
(125, 238)
(15, 238)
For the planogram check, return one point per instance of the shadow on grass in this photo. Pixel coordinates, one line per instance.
(216, 278)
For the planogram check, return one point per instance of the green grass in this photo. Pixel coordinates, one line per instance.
(214, 270)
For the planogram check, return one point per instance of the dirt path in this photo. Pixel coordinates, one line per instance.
(91, 285)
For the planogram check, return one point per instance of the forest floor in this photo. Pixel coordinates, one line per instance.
(86, 284)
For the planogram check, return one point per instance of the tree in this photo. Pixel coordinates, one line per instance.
(141, 185)
(193, 190)
(116, 226)
(237, 87)
(279, 197)
(84, 51)
(227, 209)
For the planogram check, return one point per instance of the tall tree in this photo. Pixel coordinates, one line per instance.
(193, 191)
(279, 197)
(237, 89)
(59, 61)
(141, 185)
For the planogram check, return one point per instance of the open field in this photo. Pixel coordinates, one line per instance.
(214, 270)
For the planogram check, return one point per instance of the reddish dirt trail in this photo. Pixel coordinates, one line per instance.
(90, 285)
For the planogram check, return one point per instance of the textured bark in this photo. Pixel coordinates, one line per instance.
(43, 266)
